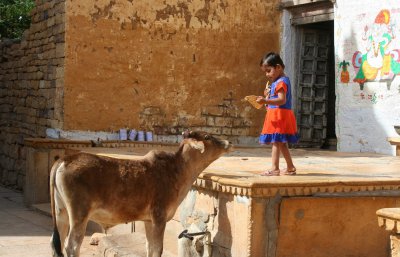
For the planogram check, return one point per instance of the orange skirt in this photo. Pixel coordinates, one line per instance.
(279, 126)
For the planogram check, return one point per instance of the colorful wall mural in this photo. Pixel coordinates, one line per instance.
(367, 57)
(380, 60)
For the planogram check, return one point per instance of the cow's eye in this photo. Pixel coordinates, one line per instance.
(206, 137)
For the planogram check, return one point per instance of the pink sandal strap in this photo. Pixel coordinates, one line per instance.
(290, 172)
(271, 173)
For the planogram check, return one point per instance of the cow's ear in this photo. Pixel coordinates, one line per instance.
(185, 134)
(199, 145)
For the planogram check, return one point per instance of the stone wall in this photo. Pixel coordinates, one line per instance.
(31, 89)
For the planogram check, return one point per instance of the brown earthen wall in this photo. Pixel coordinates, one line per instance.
(31, 89)
(167, 65)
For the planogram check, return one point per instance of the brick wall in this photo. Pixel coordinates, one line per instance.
(31, 89)
(223, 119)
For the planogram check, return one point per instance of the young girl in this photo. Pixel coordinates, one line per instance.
(280, 123)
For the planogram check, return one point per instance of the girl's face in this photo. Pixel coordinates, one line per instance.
(272, 73)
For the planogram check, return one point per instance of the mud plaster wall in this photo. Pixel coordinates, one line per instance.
(165, 66)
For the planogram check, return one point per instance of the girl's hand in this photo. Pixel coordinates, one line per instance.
(261, 100)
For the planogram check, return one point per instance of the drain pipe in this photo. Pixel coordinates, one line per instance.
(190, 248)
(190, 236)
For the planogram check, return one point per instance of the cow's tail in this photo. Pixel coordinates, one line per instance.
(55, 239)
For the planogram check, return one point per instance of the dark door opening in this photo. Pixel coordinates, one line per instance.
(316, 86)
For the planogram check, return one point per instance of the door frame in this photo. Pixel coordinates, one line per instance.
(294, 18)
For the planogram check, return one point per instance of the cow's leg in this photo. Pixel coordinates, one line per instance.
(62, 226)
(76, 234)
(61, 218)
(148, 225)
(155, 237)
(158, 239)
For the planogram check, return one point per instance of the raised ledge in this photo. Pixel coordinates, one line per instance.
(48, 143)
(302, 190)
(389, 219)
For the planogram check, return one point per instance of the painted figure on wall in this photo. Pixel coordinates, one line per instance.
(380, 62)
(344, 74)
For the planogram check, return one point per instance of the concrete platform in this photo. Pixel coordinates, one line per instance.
(243, 166)
(314, 168)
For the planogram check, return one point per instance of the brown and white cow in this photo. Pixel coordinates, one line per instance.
(111, 191)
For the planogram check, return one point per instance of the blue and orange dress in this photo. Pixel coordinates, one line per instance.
(280, 122)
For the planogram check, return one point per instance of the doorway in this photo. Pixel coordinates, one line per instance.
(316, 86)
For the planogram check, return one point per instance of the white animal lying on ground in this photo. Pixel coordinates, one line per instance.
(111, 191)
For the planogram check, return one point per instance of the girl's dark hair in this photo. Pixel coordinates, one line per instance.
(272, 59)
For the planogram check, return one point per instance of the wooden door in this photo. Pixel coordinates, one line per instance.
(313, 87)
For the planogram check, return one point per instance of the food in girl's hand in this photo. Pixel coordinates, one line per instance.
(252, 99)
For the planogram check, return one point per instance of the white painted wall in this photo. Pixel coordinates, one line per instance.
(365, 117)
